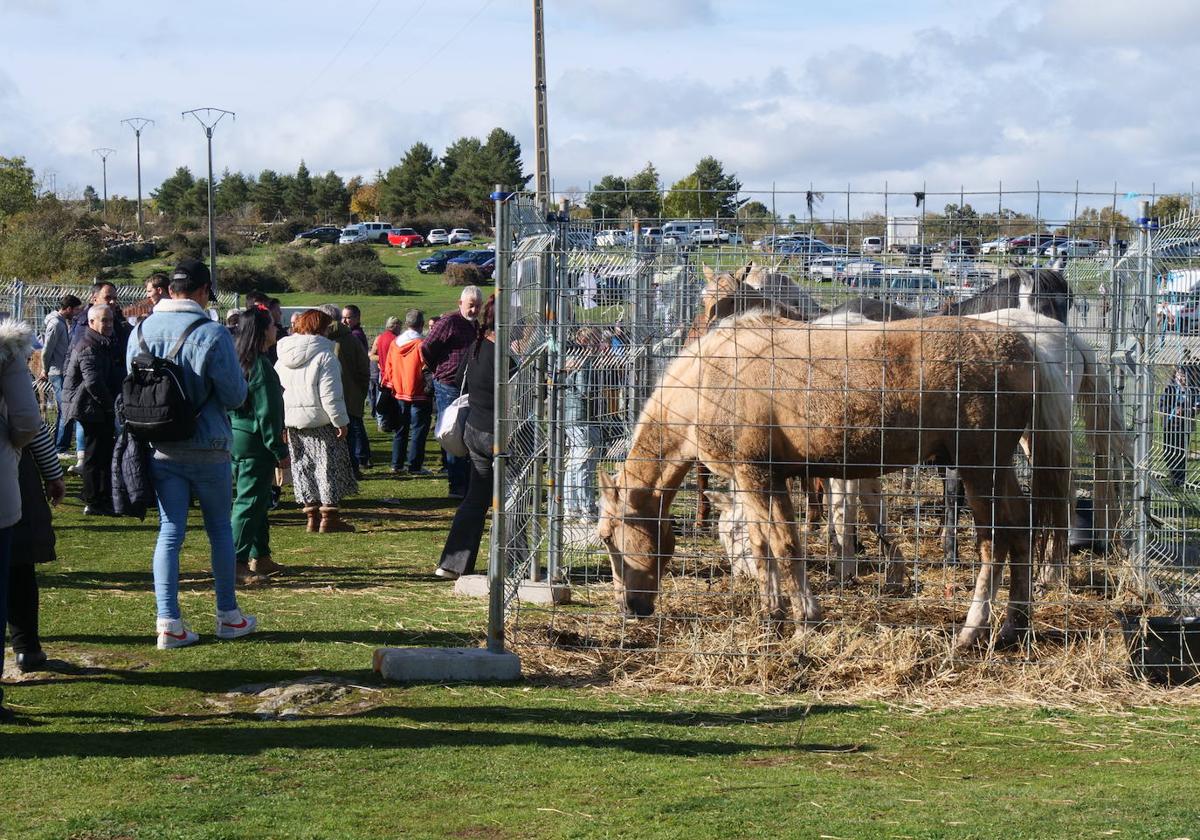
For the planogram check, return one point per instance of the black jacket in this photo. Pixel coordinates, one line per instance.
(132, 489)
(93, 379)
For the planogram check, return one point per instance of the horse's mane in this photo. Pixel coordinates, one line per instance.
(1041, 290)
(874, 309)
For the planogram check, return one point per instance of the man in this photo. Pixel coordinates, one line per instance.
(442, 349)
(198, 467)
(157, 285)
(378, 357)
(356, 378)
(352, 320)
(404, 374)
(56, 341)
(105, 294)
(91, 385)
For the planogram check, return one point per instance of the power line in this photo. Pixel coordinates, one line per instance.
(392, 37)
(353, 35)
(451, 40)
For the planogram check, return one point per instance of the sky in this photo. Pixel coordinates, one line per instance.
(932, 95)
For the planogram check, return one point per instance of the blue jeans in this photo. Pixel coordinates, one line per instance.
(579, 485)
(356, 439)
(63, 429)
(373, 394)
(457, 469)
(409, 439)
(175, 484)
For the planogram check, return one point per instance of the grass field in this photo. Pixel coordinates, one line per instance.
(125, 741)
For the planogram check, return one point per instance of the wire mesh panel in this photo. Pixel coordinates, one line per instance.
(32, 302)
(768, 460)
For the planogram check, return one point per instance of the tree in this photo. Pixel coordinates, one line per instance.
(232, 193)
(298, 192)
(267, 195)
(91, 200)
(465, 174)
(501, 159)
(406, 188)
(645, 193)
(708, 193)
(364, 203)
(17, 188)
(1167, 207)
(1101, 224)
(174, 195)
(330, 197)
(608, 198)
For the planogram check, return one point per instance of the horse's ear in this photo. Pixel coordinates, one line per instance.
(709, 274)
(608, 487)
(754, 276)
(719, 498)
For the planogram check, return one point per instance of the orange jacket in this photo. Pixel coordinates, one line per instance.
(404, 372)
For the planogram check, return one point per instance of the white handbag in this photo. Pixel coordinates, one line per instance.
(453, 422)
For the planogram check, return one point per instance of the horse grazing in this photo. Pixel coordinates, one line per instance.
(759, 400)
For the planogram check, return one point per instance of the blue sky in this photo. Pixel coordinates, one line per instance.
(935, 93)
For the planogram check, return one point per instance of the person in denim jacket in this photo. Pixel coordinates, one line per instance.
(200, 466)
(581, 393)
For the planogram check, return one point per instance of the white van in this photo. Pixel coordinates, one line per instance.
(872, 245)
(375, 231)
(352, 234)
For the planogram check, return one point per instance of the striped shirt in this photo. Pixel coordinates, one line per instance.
(45, 455)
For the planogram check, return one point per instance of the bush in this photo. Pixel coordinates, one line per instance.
(341, 270)
(242, 278)
(463, 274)
(183, 245)
(284, 232)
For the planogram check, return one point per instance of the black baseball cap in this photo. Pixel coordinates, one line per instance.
(191, 274)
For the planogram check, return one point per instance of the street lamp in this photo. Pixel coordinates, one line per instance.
(137, 124)
(104, 153)
(208, 118)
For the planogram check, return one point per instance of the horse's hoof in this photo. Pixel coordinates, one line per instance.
(969, 637)
(1011, 636)
(893, 588)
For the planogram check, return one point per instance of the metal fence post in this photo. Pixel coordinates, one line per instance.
(497, 551)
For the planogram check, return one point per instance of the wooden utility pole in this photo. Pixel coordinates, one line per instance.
(539, 107)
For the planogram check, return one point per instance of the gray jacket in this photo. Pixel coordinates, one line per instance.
(56, 344)
(19, 415)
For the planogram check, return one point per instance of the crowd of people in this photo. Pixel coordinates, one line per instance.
(257, 403)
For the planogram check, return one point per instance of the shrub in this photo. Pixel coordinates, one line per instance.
(342, 270)
(463, 274)
(284, 232)
(241, 278)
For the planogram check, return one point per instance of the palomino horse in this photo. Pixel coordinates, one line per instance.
(760, 399)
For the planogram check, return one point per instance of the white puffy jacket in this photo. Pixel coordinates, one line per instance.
(312, 382)
(19, 415)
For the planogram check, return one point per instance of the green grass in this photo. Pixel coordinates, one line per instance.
(125, 741)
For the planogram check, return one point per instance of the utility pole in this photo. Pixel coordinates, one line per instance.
(104, 153)
(137, 124)
(208, 118)
(539, 107)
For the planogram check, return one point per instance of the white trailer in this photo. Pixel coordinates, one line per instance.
(902, 231)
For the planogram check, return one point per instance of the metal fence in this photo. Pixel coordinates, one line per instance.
(596, 336)
(32, 302)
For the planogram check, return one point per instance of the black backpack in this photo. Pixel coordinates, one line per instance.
(156, 408)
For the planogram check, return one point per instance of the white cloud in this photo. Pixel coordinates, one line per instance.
(642, 15)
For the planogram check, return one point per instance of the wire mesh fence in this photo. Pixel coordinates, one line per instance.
(692, 433)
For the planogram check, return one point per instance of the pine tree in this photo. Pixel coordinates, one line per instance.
(298, 194)
(232, 193)
(172, 194)
(267, 195)
(404, 189)
(645, 193)
(330, 196)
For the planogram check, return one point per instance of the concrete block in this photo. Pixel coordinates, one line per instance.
(544, 592)
(472, 586)
(446, 665)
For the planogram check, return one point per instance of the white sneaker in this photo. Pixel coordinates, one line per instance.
(232, 624)
(445, 574)
(173, 633)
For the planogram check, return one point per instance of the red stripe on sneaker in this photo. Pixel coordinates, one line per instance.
(175, 635)
(237, 626)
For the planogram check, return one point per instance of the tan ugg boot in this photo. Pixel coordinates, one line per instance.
(332, 523)
(313, 513)
(265, 566)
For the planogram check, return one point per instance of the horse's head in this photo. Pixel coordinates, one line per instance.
(638, 543)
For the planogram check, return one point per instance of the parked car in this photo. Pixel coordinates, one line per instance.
(437, 236)
(827, 268)
(484, 260)
(854, 270)
(652, 235)
(404, 238)
(959, 245)
(326, 233)
(965, 272)
(458, 235)
(872, 244)
(803, 250)
(375, 231)
(918, 256)
(677, 237)
(994, 246)
(612, 238)
(915, 288)
(1073, 248)
(435, 263)
(352, 235)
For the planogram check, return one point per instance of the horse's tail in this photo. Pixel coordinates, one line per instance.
(1050, 487)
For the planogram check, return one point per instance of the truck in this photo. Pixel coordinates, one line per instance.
(901, 232)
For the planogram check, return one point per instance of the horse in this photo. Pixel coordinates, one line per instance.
(1041, 290)
(760, 399)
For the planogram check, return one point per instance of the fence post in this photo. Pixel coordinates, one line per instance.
(1144, 415)
(497, 551)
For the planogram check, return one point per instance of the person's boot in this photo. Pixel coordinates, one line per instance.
(245, 576)
(314, 518)
(265, 566)
(332, 523)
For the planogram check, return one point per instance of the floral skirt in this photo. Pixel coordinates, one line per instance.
(321, 472)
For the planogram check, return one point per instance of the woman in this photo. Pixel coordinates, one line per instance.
(41, 479)
(19, 422)
(316, 420)
(258, 444)
(478, 366)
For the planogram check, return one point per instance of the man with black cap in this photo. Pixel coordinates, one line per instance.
(200, 466)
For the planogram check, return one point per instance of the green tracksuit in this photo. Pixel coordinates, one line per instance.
(257, 448)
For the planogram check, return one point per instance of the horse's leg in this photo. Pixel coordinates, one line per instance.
(757, 511)
(875, 502)
(702, 506)
(814, 490)
(980, 495)
(1012, 539)
(788, 549)
(843, 524)
(951, 495)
